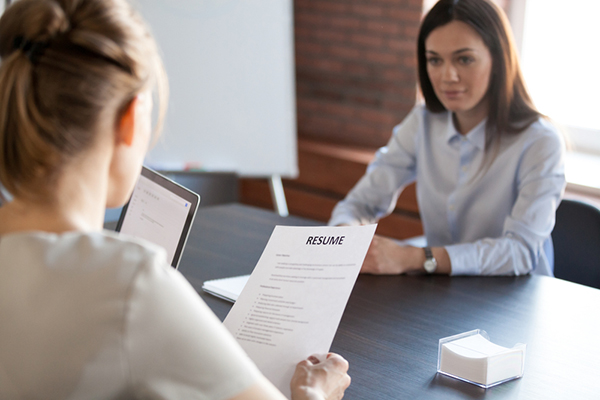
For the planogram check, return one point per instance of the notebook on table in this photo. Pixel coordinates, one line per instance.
(160, 211)
(226, 288)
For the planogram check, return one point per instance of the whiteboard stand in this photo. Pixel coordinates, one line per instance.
(278, 195)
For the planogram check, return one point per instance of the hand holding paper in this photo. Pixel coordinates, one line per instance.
(293, 302)
(326, 374)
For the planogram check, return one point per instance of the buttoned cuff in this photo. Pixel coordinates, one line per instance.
(463, 258)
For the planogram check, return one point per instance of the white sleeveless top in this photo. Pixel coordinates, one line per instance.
(96, 316)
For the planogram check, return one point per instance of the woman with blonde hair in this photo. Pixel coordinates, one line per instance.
(87, 313)
(488, 166)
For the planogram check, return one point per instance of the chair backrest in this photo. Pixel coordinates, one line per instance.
(576, 238)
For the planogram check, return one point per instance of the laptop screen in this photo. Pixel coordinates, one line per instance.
(160, 211)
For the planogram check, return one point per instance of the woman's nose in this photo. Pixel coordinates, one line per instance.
(450, 74)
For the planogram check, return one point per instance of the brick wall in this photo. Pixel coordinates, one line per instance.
(355, 68)
(355, 78)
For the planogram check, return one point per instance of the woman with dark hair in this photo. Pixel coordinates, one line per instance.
(84, 313)
(488, 166)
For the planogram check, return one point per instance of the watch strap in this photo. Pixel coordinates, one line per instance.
(430, 264)
(428, 253)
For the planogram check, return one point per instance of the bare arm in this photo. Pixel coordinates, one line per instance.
(261, 390)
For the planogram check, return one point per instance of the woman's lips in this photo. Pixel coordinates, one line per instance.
(452, 94)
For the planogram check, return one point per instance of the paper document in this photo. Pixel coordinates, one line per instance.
(294, 300)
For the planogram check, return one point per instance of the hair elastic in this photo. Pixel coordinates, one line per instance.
(33, 50)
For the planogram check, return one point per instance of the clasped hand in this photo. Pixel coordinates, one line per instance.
(387, 257)
(320, 380)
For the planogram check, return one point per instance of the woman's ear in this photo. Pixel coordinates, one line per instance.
(126, 129)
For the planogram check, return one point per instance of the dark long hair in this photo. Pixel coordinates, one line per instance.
(510, 107)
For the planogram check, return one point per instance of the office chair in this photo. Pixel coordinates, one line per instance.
(576, 238)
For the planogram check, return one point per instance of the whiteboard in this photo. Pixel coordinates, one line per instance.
(232, 91)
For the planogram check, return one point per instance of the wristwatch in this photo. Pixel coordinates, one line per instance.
(430, 264)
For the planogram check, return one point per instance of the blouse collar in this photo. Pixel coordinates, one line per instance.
(475, 136)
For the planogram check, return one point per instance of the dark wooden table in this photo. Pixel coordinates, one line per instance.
(390, 330)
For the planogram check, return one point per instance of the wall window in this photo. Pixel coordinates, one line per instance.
(561, 61)
(561, 66)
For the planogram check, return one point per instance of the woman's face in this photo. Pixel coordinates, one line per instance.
(459, 66)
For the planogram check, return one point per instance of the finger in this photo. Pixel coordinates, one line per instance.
(313, 359)
(369, 264)
(344, 383)
(347, 381)
(338, 362)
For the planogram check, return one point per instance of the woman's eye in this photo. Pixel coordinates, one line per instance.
(434, 61)
(465, 60)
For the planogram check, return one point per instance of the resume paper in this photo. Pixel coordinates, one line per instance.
(294, 300)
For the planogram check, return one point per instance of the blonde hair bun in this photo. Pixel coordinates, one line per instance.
(69, 69)
(46, 20)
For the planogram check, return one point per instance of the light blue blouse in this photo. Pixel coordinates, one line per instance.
(493, 213)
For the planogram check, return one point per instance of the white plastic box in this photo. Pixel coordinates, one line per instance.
(473, 358)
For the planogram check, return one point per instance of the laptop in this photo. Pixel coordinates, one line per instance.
(160, 211)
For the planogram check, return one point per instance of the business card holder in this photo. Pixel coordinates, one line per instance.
(473, 358)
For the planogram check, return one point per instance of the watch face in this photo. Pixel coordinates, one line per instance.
(430, 265)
